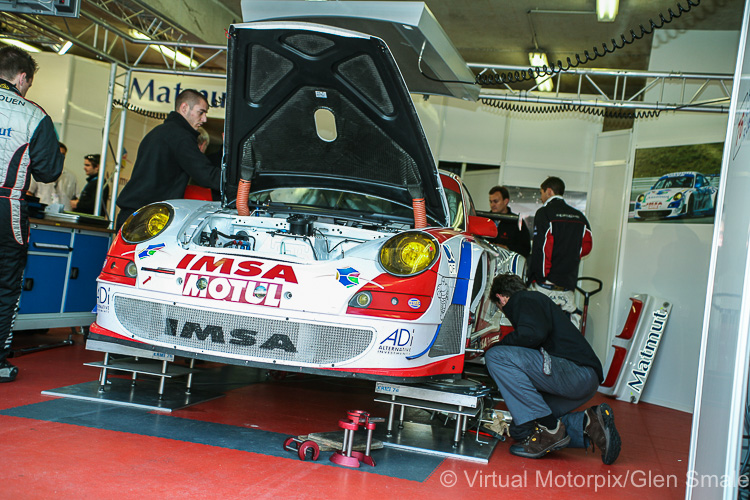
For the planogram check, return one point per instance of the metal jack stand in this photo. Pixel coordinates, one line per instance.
(346, 457)
(137, 392)
(461, 399)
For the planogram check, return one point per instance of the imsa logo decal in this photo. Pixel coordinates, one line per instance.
(214, 334)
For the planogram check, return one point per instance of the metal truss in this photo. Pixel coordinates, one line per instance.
(692, 89)
(105, 30)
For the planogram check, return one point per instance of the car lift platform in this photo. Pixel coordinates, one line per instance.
(462, 400)
(134, 392)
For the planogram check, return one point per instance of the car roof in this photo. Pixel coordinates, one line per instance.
(679, 174)
(285, 79)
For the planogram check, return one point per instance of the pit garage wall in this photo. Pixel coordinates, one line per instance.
(667, 260)
(73, 91)
(671, 260)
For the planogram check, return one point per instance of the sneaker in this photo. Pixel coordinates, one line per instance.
(8, 372)
(542, 441)
(601, 431)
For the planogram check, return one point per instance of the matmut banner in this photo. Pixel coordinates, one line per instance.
(154, 92)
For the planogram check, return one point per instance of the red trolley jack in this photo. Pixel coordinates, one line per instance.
(355, 419)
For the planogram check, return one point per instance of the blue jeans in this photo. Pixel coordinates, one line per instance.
(530, 394)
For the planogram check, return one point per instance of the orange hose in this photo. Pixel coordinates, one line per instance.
(243, 193)
(420, 213)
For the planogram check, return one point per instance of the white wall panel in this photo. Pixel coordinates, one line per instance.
(671, 260)
(430, 112)
(561, 145)
(51, 84)
(472, 133)
(532, 175)
(608, 204)
(668, 261)
(479, 183)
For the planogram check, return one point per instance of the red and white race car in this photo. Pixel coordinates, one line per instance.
(345, 252)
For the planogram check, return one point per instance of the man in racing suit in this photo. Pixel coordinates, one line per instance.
(562, 235)
(28, 145)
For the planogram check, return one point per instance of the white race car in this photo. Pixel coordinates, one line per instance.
(345, 252)
(679, 194)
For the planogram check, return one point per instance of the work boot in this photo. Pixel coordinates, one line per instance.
(601, 431)
(542, 441)
(8, 372)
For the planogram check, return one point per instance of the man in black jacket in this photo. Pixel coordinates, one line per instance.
(168, 157)
(545, 369)
(87, 200)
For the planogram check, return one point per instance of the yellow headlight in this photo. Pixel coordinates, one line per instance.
(678, 196)
(147, 223)
(408, 253)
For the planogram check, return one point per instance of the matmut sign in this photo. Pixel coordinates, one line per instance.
(159, 95)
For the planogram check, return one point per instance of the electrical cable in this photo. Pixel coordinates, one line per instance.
(140, 111)
(533, 73)
(563, 108)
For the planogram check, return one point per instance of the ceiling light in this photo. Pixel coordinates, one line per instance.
(539, 60)
(19, 44)
(66, 47)
(175, 55)
(606, 10)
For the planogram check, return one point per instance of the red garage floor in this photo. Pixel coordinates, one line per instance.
(55, 448)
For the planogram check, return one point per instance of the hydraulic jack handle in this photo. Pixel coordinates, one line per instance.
(586, 296)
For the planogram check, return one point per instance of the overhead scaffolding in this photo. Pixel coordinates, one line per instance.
(661, 92)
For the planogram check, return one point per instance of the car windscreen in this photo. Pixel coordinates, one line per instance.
(331, 200)
(674, 182)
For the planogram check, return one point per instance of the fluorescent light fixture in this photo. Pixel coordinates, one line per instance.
(66, 47)
(19, 44)
(537, 60)
(606, 10)
(175, 55)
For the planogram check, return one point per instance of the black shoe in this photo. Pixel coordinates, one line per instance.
(542, 441)
(601, 431)
(8, 372)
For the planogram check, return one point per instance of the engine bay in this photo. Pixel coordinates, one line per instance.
(307, 237)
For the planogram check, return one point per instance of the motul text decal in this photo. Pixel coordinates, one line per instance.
(233, 290)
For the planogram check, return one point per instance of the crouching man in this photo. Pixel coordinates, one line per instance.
(544, 370)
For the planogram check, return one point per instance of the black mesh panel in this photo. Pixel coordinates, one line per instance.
(449, 338)
(311, 45)
(266, 70)
(288, 142)
(360, 72)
